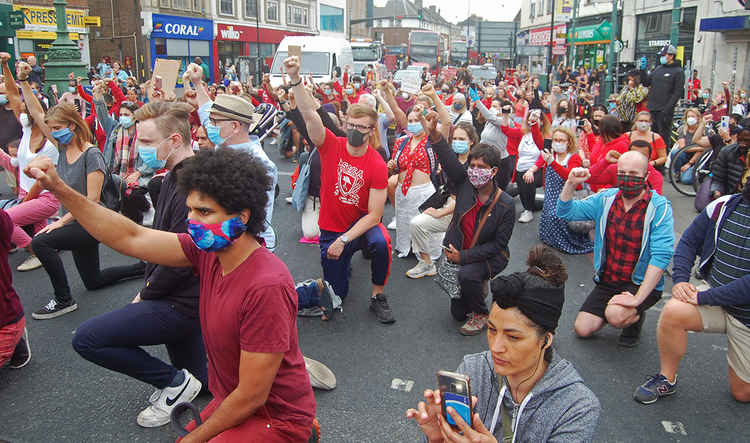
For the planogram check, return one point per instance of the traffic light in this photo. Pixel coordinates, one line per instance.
(419, 13)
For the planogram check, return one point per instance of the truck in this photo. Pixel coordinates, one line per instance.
(366, 52)
(322, 57)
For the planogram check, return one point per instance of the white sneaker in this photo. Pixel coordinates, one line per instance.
(164, 400)
(320, 376)
(526, 216)
(30, 264)
(422, 270)
(288, 200)
(392, 224)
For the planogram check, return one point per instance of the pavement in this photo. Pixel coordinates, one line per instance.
(381, 370)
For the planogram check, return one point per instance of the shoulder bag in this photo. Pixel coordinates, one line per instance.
(447, 272)
(113, 187)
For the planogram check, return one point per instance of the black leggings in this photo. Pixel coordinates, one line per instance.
(85, 248)
(527, 191)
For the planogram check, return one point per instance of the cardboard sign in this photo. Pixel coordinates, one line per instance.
(411, 82)
(168, 71)
(295, 51)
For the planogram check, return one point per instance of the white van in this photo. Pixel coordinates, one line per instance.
(321, 57)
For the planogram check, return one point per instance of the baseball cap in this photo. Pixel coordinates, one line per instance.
(668, 49)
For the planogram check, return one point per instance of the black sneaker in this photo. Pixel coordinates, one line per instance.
(22, 354)
(631, 336)
(379, 305)
(54, 309)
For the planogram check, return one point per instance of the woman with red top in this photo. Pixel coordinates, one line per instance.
(642, 131)
(610, 138)
(530, 163)
(554, 231)
(720, 106)
(414, 162)
(604, 172)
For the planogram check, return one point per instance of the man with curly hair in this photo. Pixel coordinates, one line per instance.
(353, 182)
(248, 303)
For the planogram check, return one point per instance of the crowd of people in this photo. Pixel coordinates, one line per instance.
(185, 187)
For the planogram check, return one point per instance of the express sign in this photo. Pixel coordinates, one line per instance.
(169, 26)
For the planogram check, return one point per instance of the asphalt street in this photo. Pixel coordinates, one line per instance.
(59, 397)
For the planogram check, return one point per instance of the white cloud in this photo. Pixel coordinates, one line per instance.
(457, 10)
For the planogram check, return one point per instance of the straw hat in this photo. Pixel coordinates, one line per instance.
(235, 108)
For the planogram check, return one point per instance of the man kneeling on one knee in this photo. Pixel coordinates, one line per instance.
(718, 237)
(633, 244)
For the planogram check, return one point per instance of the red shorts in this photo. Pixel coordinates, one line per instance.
(9, 338)
(258, 428)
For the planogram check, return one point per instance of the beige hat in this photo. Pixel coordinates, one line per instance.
(235, 108)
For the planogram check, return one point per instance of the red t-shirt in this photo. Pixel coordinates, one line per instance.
(253, 309)
(345, 183)
(10, 305)
(468, 224)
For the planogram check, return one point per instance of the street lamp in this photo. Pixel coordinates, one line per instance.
(609, 82)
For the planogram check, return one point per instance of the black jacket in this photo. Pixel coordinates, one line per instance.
(492, 245)
(178, 286)
(666, 84)
(727, 170)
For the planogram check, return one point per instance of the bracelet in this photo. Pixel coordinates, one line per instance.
(296, 84)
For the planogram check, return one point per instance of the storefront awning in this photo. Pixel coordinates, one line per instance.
(591, 35)
(722, 24)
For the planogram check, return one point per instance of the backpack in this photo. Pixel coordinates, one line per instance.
(299, 194)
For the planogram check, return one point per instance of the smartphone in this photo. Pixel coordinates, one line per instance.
(725, 123)
(77, 102)
(446, 248)
(455, 391)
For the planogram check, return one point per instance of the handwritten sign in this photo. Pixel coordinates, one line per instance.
(411, 82)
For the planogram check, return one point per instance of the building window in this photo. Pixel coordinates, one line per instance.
(540, 12)
(550, 5)
(182, 5)
(272, 10)
(226, 7)
(331, 18)
(165, 3)
(198, 5)
(160, 46)
(297, 15)
(531, 11)
(251, 6)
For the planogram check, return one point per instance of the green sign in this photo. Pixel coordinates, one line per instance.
(585, 35)
(15, 20)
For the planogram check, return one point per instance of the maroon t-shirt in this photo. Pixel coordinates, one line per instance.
(253, 309)
(10, 305)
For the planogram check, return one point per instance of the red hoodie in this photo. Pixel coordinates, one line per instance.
(599, 149)
(604, 175)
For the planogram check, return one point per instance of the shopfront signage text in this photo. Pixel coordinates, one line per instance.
(181, 27)
(37, 18)
(230, 33)
(541, 36)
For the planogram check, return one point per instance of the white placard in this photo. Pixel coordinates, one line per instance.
(411, 82)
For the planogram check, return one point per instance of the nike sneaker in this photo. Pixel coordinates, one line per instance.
(164, 400)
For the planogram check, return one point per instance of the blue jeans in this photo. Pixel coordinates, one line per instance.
(375, 245)
(308, 294)
(114, 341)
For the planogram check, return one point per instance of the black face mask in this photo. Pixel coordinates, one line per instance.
(356, 138)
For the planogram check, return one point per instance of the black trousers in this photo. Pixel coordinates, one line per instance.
(527, 191)
(471, 278)
(662, 125)
(503, 176)
(85, 248)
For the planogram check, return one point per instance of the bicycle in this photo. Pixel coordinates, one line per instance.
(688, 184)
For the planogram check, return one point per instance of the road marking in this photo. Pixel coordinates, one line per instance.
(719, 348)
(402, 385)
(674, 427)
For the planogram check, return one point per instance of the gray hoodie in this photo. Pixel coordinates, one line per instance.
(559, 408)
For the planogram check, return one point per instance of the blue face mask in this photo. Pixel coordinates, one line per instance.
(3, 100)
(126, 121)
(63, 136)
(414, 128)
(212, 132)
(457, 106)
(349, 91)
(149, 156)
(663, 59)
(460, 146)
(328, 92)
(71, 89)
(215, 237)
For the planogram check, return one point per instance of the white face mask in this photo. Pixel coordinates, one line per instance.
(24, 119)
(405, 95)
(643, 126)
(559, 147)
(692, 121)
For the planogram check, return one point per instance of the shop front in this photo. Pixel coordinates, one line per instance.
(181, 38)
(239, 46)
(589, 44)
(654, 32)
(40, 26)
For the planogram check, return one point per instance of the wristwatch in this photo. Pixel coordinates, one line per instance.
(344, 239)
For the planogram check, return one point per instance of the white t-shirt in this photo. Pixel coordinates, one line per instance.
(465, 117)
(528, 153)
(25, 156)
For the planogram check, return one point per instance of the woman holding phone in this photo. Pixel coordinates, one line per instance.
(523, 390)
